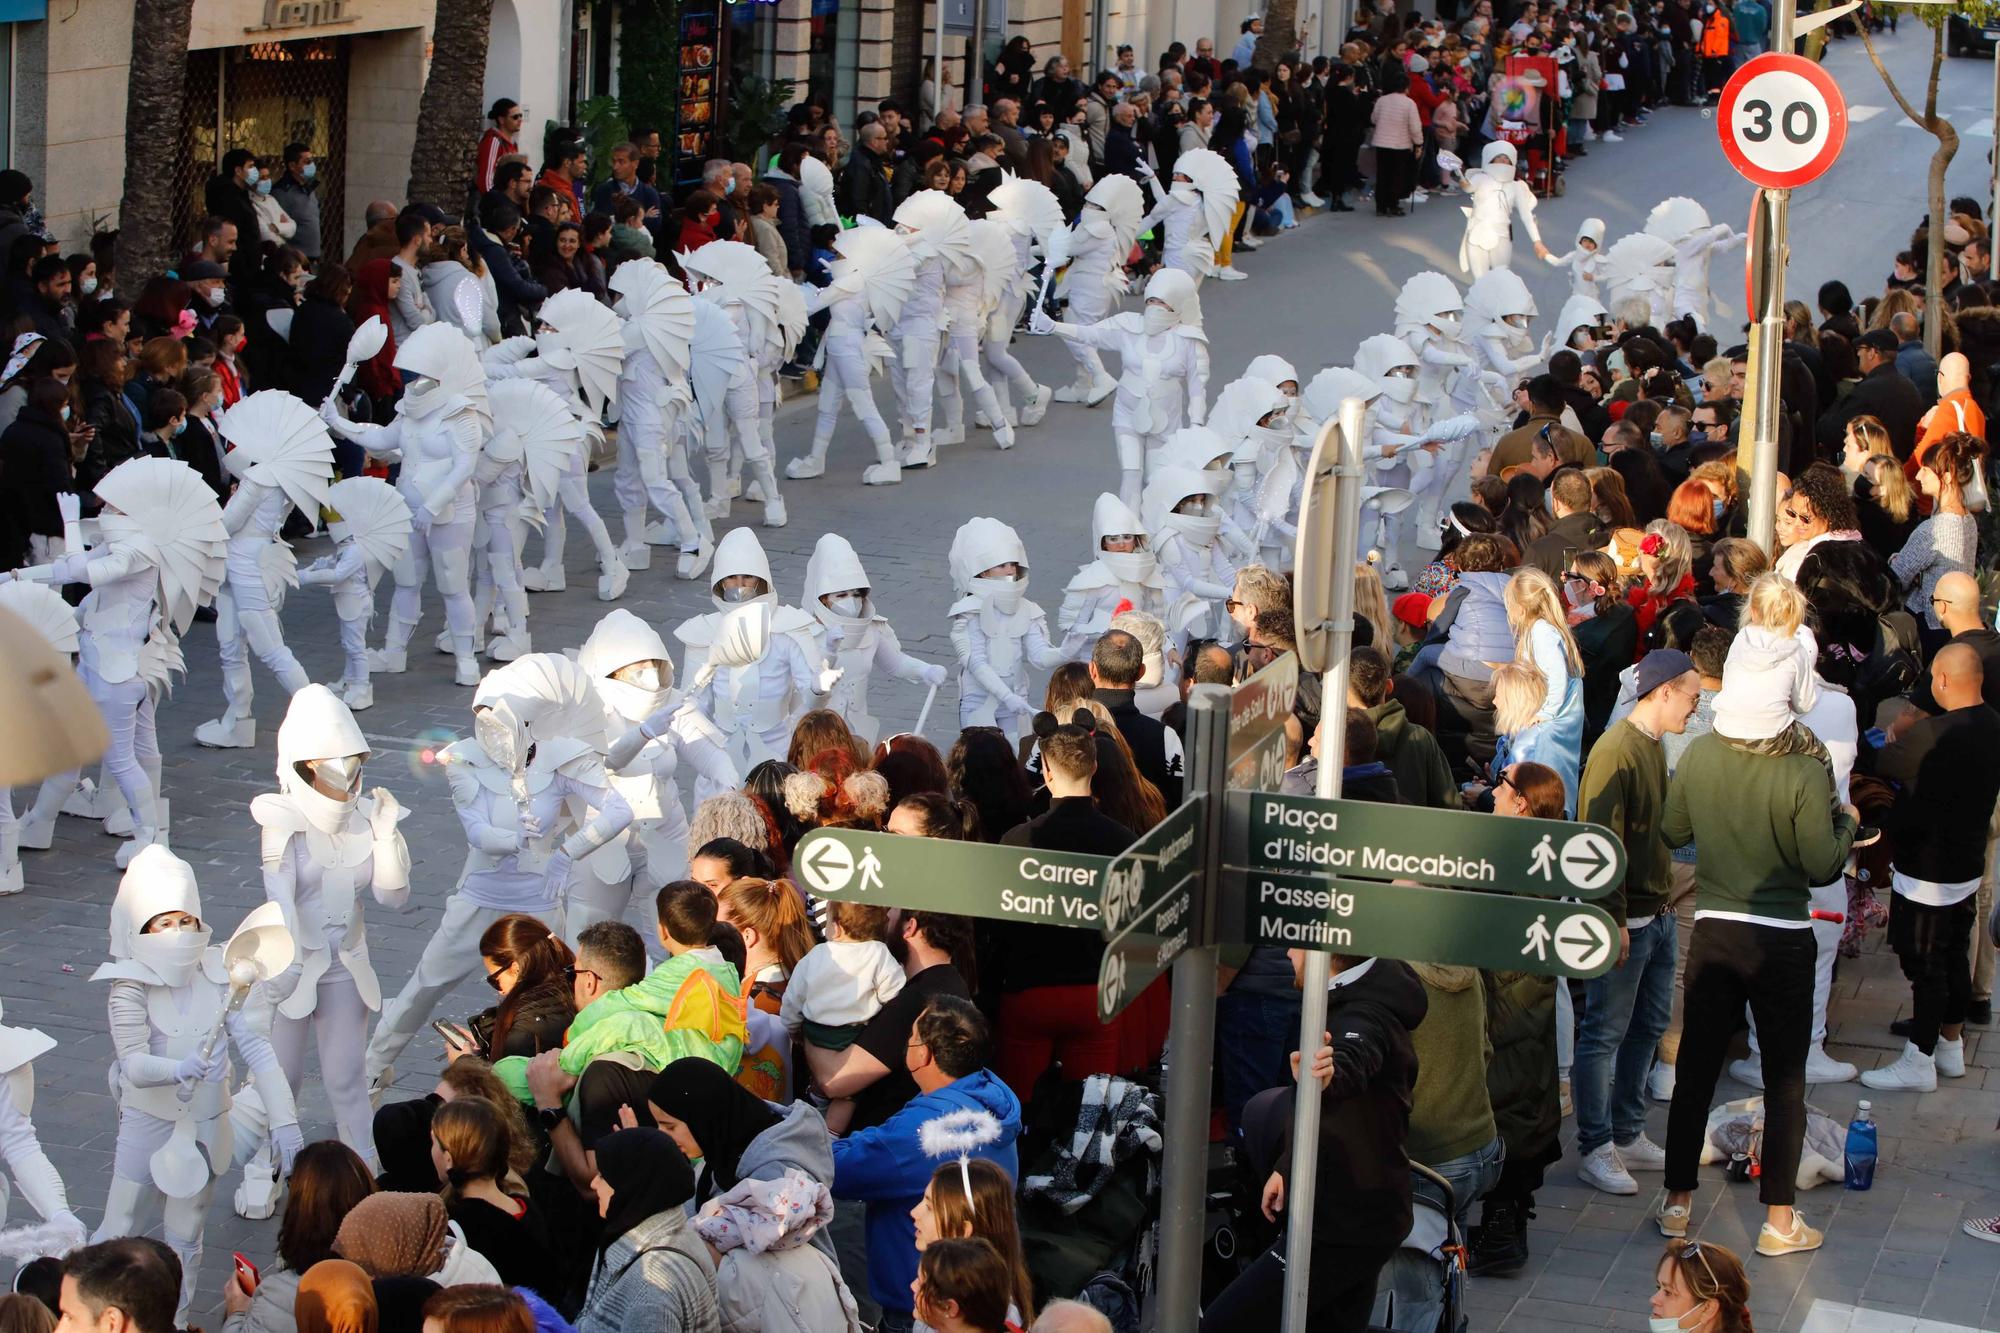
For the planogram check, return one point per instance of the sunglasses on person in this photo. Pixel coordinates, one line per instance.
(572, 973)
(493, 977)
(1694, 1248)
(1265, 649)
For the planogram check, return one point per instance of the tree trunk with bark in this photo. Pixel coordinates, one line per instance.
(1947, 148)
(448, 117)
(1281, 35)
(155, 89)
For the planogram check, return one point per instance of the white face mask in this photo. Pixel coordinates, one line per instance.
(1500, 169)
(1665, 1323)
(1002, 595)
(1399, 388)
(87, 286)
(1157, 320)
(738, 595)
(496, 738)
(174, 954)
(211, 295)
(1128, 566)
(853, 608)
(1185, 192)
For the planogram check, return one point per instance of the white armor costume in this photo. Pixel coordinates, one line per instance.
(161, 553)
(935, 228)
(769, 316)
(1202, 450)
(1430, 318)
(536, 434)
(853, 637)
(754, 705)
(1256, 418)
(1399, 423)
(34, 1174)
(971, 292)
(653, 416)
(1496, 194)
(442, 420)
(1583, 260)
(996, 631)
(653, 731)
(532, 796)
(370, 526)
(578, 351)
(323, 844)
(55, 620)
(1683, 223)
(1582, 323)
(171, 998)
(872, 278)
(1114, 577)
(1642, 266)
(1497, 310)
(1186, 519)
(281, 457)
(1095, 250)
(1163, 370)
(1030, 215)
(1197, 212)
(725, 398)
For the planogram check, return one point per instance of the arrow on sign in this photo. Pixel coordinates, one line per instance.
(1588, 861)
(1582, 942)
(828, 867)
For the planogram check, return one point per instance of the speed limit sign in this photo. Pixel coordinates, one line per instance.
(1782, 121)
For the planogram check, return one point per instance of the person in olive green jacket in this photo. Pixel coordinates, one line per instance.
(1423, 777)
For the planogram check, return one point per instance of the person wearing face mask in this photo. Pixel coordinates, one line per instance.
(533, 796)
(200, 445)
(1163, 369)
(1404, 446)
(1182, 511)
(1258, 421)
(996, 632)
(769, 316)
(282, 457)
(1489, 234)
(228, 196)
(991, 266)
(323, 843)
(853, 637)
(169, 1004)
(34, 1175)
(1683, 223)
(939, 238)
(370, 529)
(872, 268)
(274, 225)
(652, 731)
(296, 191)
(1430, 318)
(1195, 215)
(1582, 260)
(1096, 248)
(653, 412)
(1700, 1288)
(1231, 481)
(1123, 572)
(755, 702)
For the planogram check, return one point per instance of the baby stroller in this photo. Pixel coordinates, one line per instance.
(1422, 1289)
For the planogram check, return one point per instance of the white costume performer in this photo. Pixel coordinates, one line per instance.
(1163, 369)
(578, 350)
(1683, 224)
(161, 553)
(1400, 428)
(370, 526)
(281, 457)
(996, 631)
(754, 704)
(853, 637)
(935, 228)
(872, 278)
(1028, 212)
(653, 731)
(1202, 450)
(1255, 417)
(1583, 260)
(532, 795)
(172, 996)
(1182, 512)
(971, 292)
(725, 399)
(653, 417)
(769, 316)
(55, 620)
(1638, 265)
(1497, 310)
(323, 844)
(1430, 318)
(1196, 213)
(441, 422)
(1095, 250)
(1489, 232)
(1115, 577)
(536, 435)
(1582, 323)
(34, 1174)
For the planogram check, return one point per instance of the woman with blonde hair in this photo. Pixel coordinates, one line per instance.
(1604, 630)
(1524, 736)
(1372, 604)
(1542, 638)
(821, 730)
(1699, 1279)
(1734, 564)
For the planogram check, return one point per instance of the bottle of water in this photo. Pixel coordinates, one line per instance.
(1861, 1148)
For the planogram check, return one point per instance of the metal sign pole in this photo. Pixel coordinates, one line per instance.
(1993, 246)
(1332, 755)
(1762, 400)
(937, 63)
(975, 65)
(1191, 1048)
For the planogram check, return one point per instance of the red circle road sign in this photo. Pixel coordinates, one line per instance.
(1782, 121)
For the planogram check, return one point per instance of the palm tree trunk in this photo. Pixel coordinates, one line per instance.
(1281, 35)
(154, 91)
(448, 117)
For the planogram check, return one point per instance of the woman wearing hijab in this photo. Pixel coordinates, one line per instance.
(653, 1272)
(737, 1134)
(375, 286)
(336, 1296)
(410, 1235)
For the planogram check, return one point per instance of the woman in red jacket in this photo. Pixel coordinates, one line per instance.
(699, 219)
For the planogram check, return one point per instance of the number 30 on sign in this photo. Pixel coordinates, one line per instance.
(1782, 121)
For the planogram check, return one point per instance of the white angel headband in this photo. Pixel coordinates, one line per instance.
(959, 1133)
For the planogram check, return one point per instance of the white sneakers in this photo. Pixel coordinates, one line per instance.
(1603, 1171)
(1612, 136)
(805, 467)
(1660, 1082)
(1642, 1154)
(1748, 1071)
(1227, 274)
(1912, 1070)
(1949, 1057)
(1823, 1068)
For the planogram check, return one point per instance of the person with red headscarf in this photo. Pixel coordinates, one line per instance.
(375, 285)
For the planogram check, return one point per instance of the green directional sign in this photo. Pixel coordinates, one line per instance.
(1550, 858)
(1148, 906)
(1490, 930)
(965, 878)
(1257, 711)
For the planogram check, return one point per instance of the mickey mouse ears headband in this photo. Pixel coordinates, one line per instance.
(1082, 719)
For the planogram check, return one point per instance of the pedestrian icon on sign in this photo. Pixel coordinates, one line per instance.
(870, 866)
(1538, 939)
(1544, 862)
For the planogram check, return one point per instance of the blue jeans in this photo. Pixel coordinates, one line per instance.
(1254, 1033)
(1627, 1010)
(1414, 1278)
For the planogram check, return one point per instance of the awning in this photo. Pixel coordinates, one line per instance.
(23, 11)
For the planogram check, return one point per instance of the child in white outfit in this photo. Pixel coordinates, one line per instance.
(1768, 683)
(840, 985)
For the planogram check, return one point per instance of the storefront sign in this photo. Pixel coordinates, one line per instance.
(285, 15)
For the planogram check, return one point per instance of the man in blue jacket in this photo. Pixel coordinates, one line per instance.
(887, 1168)
(624, 179)
(520, 295)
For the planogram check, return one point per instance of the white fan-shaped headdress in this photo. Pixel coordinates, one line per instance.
(659, 313)
(1121, 201)
(285, 444)
(44, 608)
(1028, 206)
(374, 516)
(579, 333)
(1216, 179)
(168, 512)
(547, 432)
(873, 262)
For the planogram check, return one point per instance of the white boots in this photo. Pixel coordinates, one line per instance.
(635, 554)
(145, 835)
(1917, 1072)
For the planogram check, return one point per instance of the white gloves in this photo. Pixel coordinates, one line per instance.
(827, 678)
(289, 1140)
(383, 818)
(934, 675)
(1039, 321)
(69, 505)
(193, 1069)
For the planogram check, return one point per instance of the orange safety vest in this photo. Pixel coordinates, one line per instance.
(1715, 36)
